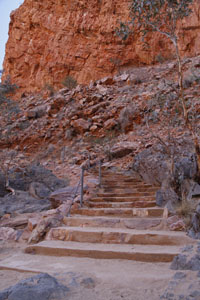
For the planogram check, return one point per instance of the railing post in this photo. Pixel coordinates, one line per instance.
(82, 183)
(99, 173)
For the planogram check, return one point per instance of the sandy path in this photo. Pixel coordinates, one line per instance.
(88, 279)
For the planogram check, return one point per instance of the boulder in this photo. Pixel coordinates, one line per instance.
(106, 81)
(188, 259)
(39, 190)
(20, 179)
(38, 287)
(152, 165)
(167, 197)
(184, 285)
(37, 112)
(194, 231)
(8, 234)
(63, 195)
(122, 149)
(22, 202)
(181, 262)
(186, 167)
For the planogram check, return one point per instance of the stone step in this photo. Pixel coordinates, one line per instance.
(120, 212)
(122, 180)
(132, 188)
(122, 199)
(145, 253)
(118, 236)
(125, 194)
(106, 270)
(117, 190)
(119, 176)
(118, 183)
(116, 222)
(120, 204)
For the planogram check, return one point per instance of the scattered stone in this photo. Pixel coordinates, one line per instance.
(8, 234)
(188, 248)
(80, 125)
(88, 283)
(179, 275)
(110, 124)
(178, 226)
(107, 81)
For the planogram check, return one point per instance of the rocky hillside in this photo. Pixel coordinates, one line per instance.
(49, 40)
(133, 120)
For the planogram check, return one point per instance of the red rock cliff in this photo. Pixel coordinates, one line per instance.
(51, 39)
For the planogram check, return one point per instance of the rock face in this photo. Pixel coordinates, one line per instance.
(49, 40)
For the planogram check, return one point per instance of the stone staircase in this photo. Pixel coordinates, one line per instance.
(121, 221)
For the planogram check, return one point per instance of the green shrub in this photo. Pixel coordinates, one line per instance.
(6, 87)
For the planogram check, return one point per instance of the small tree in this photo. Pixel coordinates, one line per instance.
(7, 160)
(69, 82)
(159, 16)
(162, 16)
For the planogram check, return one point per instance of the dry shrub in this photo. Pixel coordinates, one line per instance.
(70, 82)
(185, 210)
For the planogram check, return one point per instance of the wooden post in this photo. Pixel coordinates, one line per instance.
(82, 183)
(99, 173)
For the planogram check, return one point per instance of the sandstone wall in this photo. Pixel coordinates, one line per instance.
(51, 39)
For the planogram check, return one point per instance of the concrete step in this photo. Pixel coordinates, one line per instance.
(149, 253)
(118, 236)
(120, 204)
(122, 199)
(116, 222)
(120, 212)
